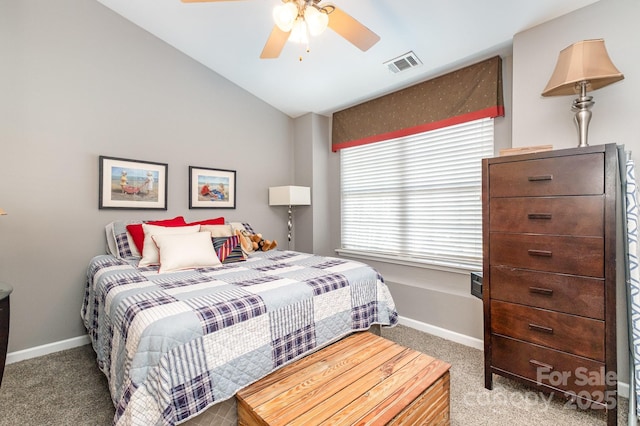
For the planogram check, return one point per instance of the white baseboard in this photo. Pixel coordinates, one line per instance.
(47, 349)
(623, 388)
(443, 332)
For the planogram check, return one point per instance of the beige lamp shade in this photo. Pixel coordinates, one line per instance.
(289, 196)
(585, 60)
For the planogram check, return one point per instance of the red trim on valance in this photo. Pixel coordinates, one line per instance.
(491, 112)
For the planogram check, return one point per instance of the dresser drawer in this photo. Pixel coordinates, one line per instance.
(570, 175)
(550, 367)
(548, 215)
(569, 333)
(564, 293)
(563, 254)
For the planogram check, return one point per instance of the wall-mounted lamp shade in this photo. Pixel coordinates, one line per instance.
(585, 60)
(2, 212)
(289, 196)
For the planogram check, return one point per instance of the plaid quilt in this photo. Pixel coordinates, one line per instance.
(173, 344)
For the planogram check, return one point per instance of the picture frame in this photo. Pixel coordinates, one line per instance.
(132, 184)
(212, 188)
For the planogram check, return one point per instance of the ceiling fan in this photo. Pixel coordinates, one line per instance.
(297, 19)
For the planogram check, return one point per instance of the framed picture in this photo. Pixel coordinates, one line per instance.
(132, 184)
(212, 188)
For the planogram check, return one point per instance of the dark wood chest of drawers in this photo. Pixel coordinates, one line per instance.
(549, 275)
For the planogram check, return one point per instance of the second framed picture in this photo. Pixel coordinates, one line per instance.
(212, 188)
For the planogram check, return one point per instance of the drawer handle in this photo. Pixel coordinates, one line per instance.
(542, 291)
(541, 328)
(545, 216)
(541, 364)
(542, 253)
(540, 178)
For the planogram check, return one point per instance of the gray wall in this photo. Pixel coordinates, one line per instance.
(438, 298)
(539, 120)
(313, 162)
(78, 81)
(83, 82)
(441, 298)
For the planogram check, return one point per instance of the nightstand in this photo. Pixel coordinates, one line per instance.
(5, 291)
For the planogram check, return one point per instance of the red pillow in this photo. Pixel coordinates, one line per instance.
(216, 221)
(137, 233)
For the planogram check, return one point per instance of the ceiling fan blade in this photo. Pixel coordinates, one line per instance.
(352, 30)
(275, 43)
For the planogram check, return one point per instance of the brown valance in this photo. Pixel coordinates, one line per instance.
(467, 94)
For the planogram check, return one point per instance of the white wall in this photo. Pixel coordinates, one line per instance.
(78, 81)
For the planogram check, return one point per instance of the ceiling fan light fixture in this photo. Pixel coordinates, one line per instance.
(285, 16)
(299, 32)
(316, 20)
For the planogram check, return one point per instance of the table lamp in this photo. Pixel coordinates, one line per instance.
(583, 66)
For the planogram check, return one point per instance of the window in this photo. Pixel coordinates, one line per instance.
(417, 198)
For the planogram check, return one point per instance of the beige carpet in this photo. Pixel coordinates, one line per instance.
(508, 403)
(66, 388)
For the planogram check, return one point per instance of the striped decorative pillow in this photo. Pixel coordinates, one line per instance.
(228, 249)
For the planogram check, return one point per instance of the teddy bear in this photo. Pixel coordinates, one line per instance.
(260, 243)
(254, 242)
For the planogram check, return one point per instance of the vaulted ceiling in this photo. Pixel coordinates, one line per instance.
(228, 37)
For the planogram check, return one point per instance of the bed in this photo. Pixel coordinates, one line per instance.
(175, 342)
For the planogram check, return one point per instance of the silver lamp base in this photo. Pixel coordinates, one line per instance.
(290, 227)
(582, 107)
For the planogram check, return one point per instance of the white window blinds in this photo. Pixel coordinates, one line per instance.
(418, 198)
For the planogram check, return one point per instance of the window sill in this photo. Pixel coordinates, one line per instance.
(408, 261)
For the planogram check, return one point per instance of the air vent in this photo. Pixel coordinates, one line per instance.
(403, 62)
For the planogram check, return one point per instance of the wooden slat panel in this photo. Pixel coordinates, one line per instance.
(432, 408)
(262, 390)
(395, 405)
(315, 388)
(292, 387)
(334, 402)
(415, 371)
(363, 378)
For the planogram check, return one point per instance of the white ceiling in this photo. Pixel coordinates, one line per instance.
(228, 37)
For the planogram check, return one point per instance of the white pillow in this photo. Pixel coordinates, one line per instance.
(217, 230)
(185, 251)
(150, 251)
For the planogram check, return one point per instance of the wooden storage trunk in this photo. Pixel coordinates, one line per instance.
(362, 379)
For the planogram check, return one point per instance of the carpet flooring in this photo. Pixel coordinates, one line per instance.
(66, 388)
